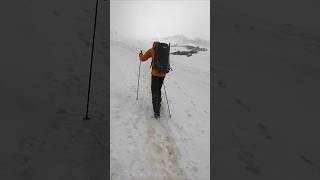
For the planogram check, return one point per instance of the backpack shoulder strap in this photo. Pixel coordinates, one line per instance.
(154, 49)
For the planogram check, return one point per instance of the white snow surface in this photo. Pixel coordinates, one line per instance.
(44, 64)
(266, 90)
(142, 147)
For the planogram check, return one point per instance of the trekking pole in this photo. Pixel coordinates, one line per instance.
(89, 86)
(165, 92)
(138, 78)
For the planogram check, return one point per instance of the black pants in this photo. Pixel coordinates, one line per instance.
(156, 84)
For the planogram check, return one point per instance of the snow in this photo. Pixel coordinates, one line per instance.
(266, 90)
(45, 62)
(183, 40)
(170, 148)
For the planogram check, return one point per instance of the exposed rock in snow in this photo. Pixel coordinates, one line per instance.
(177, 40)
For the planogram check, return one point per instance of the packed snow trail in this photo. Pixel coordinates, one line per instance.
(144, 148)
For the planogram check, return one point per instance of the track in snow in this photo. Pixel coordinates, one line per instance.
(142, 147)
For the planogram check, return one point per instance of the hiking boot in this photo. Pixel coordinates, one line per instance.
(156, 115)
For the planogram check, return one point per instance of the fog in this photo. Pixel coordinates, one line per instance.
(156, 19)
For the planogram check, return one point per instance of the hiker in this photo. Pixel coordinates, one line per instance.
(156, 79)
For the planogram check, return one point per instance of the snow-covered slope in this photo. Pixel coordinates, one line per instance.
(266, 91)
(170, 148)
(183, 40)
(45, 58)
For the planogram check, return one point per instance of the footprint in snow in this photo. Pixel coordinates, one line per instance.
(25, 174)
(305, 159)
(195, 169)
(248, 158)
(238, 101)
(70, 70)
(27, 105)
(62, 111)
(221, 84)
(54, 12)
(21, 158)
(268, 137)
(188, 113)
(264, 128)
(51, 76)
(87, 11)
(32, 142)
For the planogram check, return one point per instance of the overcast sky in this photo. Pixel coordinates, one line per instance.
(155, 19)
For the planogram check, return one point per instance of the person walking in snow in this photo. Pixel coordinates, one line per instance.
(156, 79)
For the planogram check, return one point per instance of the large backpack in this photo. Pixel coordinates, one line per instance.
(161, 60)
